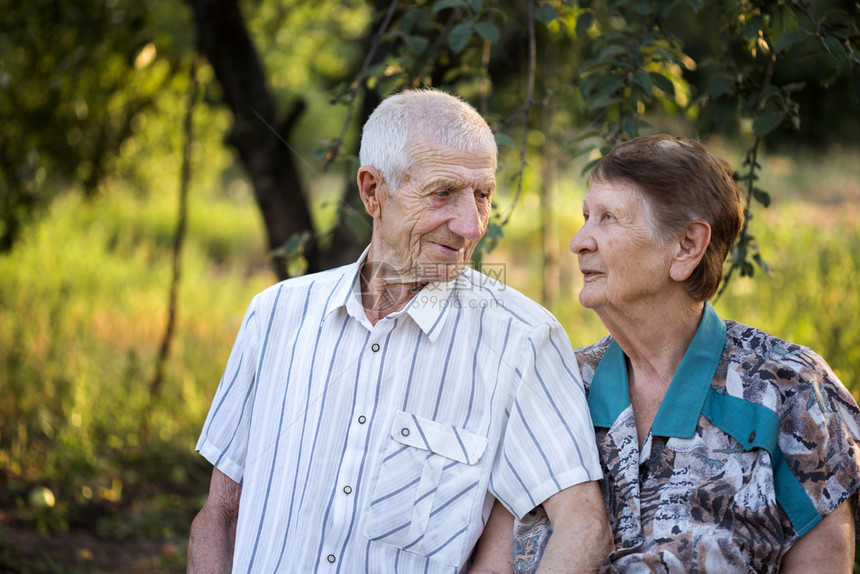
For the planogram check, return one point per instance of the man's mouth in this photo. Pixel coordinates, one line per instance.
(450, 250)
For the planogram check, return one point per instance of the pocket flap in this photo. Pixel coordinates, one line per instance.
(445, 439)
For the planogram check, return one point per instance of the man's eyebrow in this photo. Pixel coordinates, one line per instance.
(447, 183)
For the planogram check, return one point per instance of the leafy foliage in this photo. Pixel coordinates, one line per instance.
(75, 77)
(630, 60)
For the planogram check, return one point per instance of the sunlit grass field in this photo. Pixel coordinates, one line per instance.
(83, 305)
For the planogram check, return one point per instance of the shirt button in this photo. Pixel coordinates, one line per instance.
(404, 432)
(331, 558)
(362, 419)
(751, 437)
(347, 489)
(375, 347)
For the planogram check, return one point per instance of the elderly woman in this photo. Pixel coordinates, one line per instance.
(724, 449)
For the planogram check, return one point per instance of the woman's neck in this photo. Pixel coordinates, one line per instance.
(655, 335)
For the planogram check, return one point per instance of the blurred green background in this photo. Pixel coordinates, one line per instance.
(97, 468)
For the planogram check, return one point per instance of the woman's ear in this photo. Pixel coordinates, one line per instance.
(370, 186)
(690, 248)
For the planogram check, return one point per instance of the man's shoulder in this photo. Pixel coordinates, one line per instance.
(479, 291)
(323, 282)
(335, 276)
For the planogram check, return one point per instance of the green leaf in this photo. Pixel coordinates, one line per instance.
(608, 85)
(489, 241)
(442, 4)
(762, 263)
(358, 223)
(643, 80)
(546, 13)
(719, 86)
(503, 139)
(829, 76)
(589, 165)
(766, 123)
(631, 126)
(643, 7)
(460, 36)
(723, 114)
(416, 44)
(488, 31)
(752, 28)
(835, 48)
(793, 87)
(739, 254)
(696, 5)
(583, 23)
(663, 84)
(581, 151)
(294, 246)
(476, 5)
(761, 196)
(789, 38)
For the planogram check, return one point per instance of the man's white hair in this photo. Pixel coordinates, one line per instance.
(410, 116)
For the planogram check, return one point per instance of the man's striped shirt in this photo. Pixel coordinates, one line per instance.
(379, 448)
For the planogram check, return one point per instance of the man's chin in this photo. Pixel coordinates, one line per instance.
(439, 271)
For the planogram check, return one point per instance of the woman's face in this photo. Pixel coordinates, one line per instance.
(622, 263)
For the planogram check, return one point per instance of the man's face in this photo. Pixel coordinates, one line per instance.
(428, 228)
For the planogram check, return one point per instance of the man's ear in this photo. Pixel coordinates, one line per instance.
(370, 186)
(691, 245)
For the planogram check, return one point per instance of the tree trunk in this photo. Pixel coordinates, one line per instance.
(257, 135)
(352, 233)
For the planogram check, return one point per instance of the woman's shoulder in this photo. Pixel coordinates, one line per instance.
(590, 356)
(770, 356)
(776, 373)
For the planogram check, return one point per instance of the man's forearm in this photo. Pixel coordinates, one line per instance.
(581, 536)
(213, 532)
(578, 551)
(210, 546)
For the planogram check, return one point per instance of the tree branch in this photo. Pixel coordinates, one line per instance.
(356, 86)
(530, 86)
(178, 241)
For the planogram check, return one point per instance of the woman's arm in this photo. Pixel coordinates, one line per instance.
(828, 547)
(495, 548)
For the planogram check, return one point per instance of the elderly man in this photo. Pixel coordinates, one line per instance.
(369, 416)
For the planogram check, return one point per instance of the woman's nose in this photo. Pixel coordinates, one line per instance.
(582, 241)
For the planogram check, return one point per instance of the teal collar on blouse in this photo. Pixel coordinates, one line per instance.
(679, 412)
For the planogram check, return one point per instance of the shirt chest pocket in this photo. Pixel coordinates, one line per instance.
(427, 488)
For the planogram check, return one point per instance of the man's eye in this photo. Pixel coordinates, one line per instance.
(482, 194)
(443, 192)
(585, 217)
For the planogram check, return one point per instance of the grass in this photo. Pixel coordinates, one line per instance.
(83, 308)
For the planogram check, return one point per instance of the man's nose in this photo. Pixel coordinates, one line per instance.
(467, 221)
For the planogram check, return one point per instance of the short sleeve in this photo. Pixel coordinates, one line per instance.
(224, 438)
(819, 435)
(548, 444)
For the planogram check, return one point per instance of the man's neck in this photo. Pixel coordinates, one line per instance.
(381, 296)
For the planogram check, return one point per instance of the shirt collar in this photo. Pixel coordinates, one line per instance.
(428, 308)
(679, 411)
